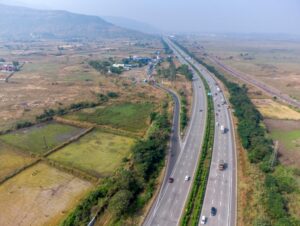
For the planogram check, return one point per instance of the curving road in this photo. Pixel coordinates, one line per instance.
(170, 202)
(221, 188)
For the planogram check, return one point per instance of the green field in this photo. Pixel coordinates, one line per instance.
(290, 139)
(132, 117)
(41, 138)
(97, 153)
(11, 159)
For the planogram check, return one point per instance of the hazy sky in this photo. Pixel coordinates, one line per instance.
(259, 16)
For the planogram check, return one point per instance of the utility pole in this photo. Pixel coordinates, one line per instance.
(45, 142)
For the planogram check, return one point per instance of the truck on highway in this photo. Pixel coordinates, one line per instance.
(222, 128)
(223, 101)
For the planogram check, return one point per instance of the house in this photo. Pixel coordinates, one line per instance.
(119, 65)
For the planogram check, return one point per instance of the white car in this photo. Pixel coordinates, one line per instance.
(203, 220)
(187, 178)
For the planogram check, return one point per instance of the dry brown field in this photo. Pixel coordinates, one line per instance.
(40, 195)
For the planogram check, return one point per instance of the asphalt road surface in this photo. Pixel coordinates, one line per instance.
(170, 202)
(221, 187)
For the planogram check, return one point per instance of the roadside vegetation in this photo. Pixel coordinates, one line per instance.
(166, 47)
(169, 73)
(125, 193)
(259, 146)
(185, 70)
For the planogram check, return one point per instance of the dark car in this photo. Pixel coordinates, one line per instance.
(171, 179)
(213, 211)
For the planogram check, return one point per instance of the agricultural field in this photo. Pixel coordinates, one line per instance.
(39, 139)
(97, 153)
(132, 117)
(11, 159)
(40, 195)
(274, 62)
(287, 132)
(53, 78)
(274, 110)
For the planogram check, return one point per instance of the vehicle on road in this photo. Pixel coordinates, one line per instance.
(171, 179)
(213, 211)
(221, 165)
(203, 220)
(222, 128)
(187, 178)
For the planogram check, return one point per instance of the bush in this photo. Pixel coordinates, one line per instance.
(120, 202)
(23, 124)
(112, 94)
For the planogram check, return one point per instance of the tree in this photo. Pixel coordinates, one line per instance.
(15, 63)
(120, 202)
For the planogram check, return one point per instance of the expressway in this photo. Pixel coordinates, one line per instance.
(221, 187)
(169, 205)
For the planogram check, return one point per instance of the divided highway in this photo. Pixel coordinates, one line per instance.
(170, 202)
(221, 186)
(168, 207)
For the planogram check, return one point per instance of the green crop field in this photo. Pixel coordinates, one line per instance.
(290, 139)
(132, 117)
(97, 153)
(41, 138)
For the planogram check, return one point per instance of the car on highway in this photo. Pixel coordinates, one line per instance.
(187, 178)
(171, 179)
(221, 165)
(203, 220)
(213, 211)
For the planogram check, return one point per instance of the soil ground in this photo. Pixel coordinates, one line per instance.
(40, 195)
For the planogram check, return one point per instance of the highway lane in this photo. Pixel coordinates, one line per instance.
(170, 203)
(221, 187)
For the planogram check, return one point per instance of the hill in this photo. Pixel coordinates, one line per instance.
(132, 24)
(25, 23)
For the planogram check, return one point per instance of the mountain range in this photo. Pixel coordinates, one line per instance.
(21, 23)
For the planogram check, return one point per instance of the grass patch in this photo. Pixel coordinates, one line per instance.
(133, 117)
(41, 138)
(271, 109)
(11, 160)
(97, 153)
(290, 139)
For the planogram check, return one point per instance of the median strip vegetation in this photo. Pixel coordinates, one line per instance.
(196, 197)
(183, 111)
(260, 150)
